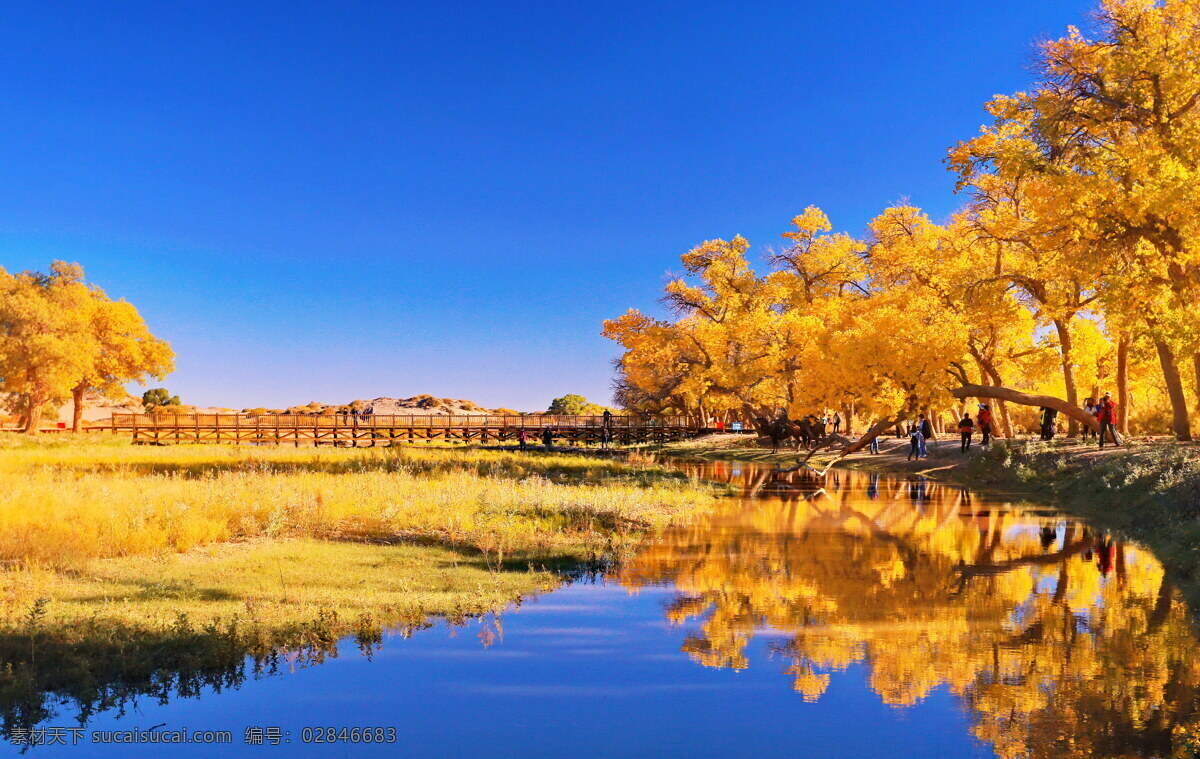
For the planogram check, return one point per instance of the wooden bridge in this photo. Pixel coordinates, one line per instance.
(350, 430)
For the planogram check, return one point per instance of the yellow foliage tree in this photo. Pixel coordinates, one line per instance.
(59, 338)
(1100, 158)
(887, 329)
(1080, 248)
(46, 343)
(124, 352)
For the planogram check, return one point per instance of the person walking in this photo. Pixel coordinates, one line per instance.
(605, 438)
(914, 442)
(523, 440)
(984, 417)
(966, 429)
(1047, 419)
(926, 435)
(1091, 408)
(1107, 415)
(874, 447)
(548, 439)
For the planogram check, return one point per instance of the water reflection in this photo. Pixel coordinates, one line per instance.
(1059, 641)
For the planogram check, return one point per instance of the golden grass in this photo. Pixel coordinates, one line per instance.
(63, 505)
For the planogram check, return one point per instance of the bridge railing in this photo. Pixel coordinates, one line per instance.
(393, 421)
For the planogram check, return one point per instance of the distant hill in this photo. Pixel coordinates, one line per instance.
(97, 408)
(416, 405)
(424, 404)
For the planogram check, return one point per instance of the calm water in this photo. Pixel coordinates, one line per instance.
(850, 616)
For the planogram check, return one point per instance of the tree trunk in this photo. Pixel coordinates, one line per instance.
(874, 431)
(33, 419)
(1069, 410)
(752, 416)
(1179, 410)
(1123, 384)
(77, 411)
(1005, 420)
(1068, 369)
(1196, 378)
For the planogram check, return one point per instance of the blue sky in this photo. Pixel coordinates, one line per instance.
(344, 200)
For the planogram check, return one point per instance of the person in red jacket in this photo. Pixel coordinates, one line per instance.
(1107, 415)
(984, 417)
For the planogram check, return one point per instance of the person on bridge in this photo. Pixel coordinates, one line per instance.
(1107, 415)
(984, 417)
(966, 428)
(607, 419)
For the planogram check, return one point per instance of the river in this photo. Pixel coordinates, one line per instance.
(852, 615)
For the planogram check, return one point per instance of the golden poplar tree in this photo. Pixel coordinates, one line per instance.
(46, 342)
(124, 352)
(1101, 156)
(59, 338)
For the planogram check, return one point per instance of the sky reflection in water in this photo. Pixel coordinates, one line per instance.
(854, 616)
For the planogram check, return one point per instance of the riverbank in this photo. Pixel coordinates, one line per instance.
(121, 565)
(1147, 491)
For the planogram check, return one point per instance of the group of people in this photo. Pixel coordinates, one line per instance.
(1103, 410)
(919, 433)
(606, 435)
(966, 427)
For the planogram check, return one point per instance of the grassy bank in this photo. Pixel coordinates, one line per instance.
(130, 570)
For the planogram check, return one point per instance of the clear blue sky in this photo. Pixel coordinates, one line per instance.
(344, 200)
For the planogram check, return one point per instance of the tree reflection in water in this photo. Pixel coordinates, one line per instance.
(1059, 641)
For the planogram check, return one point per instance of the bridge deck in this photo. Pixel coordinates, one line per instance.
(350, 430)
